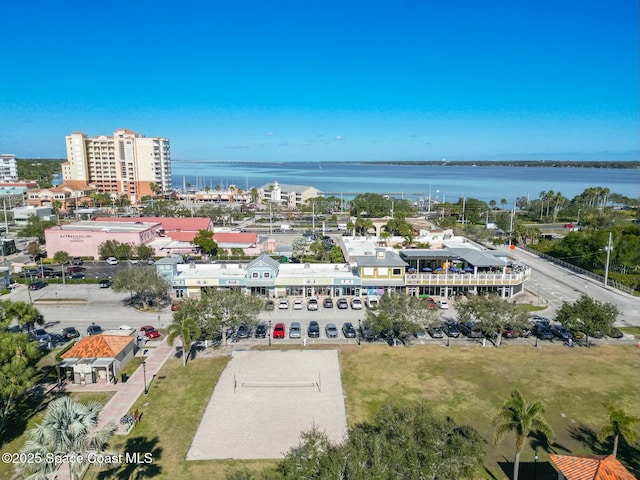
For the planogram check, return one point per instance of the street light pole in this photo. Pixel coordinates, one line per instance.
(606, 269)
(535, 464)
(144, 375)
(269, 333)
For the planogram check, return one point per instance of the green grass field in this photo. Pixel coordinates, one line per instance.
(468, 383)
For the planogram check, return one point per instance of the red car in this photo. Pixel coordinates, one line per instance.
(278, 330)
(150, 332)
(568, 225)
(174, 307)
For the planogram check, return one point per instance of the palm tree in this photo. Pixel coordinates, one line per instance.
(620, 424)
(68, 429)
(62, 258)
(187, 329)
(25, 313)
(521, 417)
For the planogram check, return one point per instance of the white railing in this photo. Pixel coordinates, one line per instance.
(498, 278)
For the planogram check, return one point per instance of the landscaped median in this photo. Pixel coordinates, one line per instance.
(60, 301)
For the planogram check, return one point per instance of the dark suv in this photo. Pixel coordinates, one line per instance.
(314, 329)
(37, 285)
(261, 331)
(94, 329)
(469, 330)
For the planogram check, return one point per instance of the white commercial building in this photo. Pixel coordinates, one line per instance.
(126, 163)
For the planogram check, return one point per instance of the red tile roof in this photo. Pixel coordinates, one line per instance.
(596, 467)
(181, 236)
(235, 237)
(99, 346)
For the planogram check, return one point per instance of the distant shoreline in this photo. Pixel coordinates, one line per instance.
(618, 164)
(630, 164)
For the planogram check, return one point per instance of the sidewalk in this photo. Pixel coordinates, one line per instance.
(127, 393)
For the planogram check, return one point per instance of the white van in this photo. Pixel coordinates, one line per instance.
(342, 227)
(285, 227)
(371, 302)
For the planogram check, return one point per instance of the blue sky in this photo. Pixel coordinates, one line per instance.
(326, 80)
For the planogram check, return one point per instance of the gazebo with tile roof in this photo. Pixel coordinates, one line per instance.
(97, 358)
(594, 467)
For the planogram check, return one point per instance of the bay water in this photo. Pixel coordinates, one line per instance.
(411, 181)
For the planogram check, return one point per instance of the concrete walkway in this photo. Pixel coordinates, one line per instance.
(128, 392)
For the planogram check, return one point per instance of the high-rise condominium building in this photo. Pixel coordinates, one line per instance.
(8, 167)
(125, 163)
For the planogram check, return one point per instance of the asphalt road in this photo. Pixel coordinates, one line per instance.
(552, 285)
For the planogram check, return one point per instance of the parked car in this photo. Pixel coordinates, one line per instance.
(443, 304)
(431, 304)
(283, 305)
(542, 331)
(435, 332)
(314, 329)
(469, 330)
(541, 320)
(150, 332)
(297, 304)
(111, 261)
(94, 329)
(294, 330)
(510, 332)
(327, 303)
(420, 333)
(331, 331)
(175, 306)
(75, 269)
(77, 261)
(615, 333)
(37, 285)
(269, 305)
(312, 304)
(342, 304)
(348, 331)
(356, 304)
(450, 330)
(70, 332)
(261, 330)
(104, 283)
(278, 330)
(367, 333)
(40, 335)
(243, 331)
(561, 332)
(77, 276)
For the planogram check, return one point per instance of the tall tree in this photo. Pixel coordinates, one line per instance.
(588, 316)
(17, 357)
(520, 417)
(403, 441)
(205, 242)
(62, 258)
(26, 314)
(68, 429)
(492, 314)
(620, 424)
(143, 281)
(186, 328)
(399, 316)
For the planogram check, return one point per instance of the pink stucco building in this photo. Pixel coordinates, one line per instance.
(83, 239)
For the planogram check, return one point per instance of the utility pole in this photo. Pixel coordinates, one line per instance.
(606, 268)
(463, 205)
